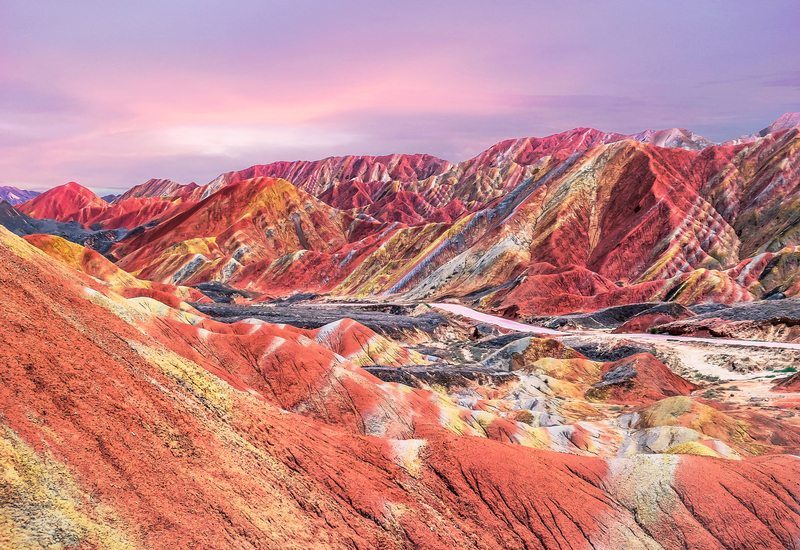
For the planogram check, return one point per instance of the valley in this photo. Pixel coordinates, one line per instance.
(588, 340)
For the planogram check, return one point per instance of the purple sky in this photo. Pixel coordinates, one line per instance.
(110, 93)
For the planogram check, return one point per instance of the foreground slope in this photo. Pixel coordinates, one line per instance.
(122, 428)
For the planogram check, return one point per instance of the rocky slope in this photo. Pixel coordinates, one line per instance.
(12, 195)
(573, 222)
(73, 202)
(269, 436)
(251, 222)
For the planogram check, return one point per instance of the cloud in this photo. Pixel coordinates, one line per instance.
(109, 93)
(234, 141)
(791, 80)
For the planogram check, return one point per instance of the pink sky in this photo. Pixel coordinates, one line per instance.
(110, 94)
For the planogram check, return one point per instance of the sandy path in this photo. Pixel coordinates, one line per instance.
(522, 327)
(719, 341)
(697, 358)
(692, 357)
(498, 321)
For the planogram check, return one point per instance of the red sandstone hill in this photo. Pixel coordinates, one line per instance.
(572, 222)
(63, 203)
(73, 202)
(124, 428)
(639, 378)
(253, 221)
(789, 384)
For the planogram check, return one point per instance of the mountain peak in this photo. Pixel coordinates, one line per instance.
(52, 204)
(786, 121)
(14, 195)
(75, 187)
(673, 138)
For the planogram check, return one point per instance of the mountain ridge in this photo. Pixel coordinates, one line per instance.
(14, 195)
(576, 221)
(271, 365)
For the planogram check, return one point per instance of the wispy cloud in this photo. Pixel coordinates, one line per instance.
(111, 94)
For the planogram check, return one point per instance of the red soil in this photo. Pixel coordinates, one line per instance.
(648, 380)
(72, 202)
(789, 384)
(119, 441)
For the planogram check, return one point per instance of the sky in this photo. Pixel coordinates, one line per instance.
(111, 93)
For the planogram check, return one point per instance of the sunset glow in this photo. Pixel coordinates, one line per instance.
(112, 95)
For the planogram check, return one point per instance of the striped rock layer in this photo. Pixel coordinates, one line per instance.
(572, 222)
(129, 424)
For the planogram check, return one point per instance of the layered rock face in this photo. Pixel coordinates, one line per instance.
(573, 222)
(130, 420)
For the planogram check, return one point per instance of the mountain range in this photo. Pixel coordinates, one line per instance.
(12, 195)
(572, 222)
(282, 358)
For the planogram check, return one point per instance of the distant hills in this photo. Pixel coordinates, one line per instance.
(141, 409)
(12, 195)
(571, 222)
